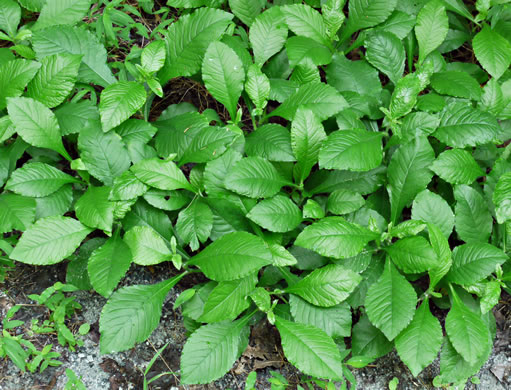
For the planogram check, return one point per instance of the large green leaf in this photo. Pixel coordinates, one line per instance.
(327, 286)
(456, 83)
(16, 212)
(335, 237)
(141, 214)
(366, 13)
(72, 40)
(307, 136)
(431, 28)
(119, 101)
(14, 77)
(322, 99)
(310, 349)
(254, 177)
(302, 51)
(36, 124)
(228, 299)
(108, 264)
(492, 51)
(257, 88)
(55, 79)
(443, 251)
(270, 141)
(57, 203)
(466, 330)
(73, 117)
(418, 345)
(457, 166)
(278, 214)
(246, 10)
(473, 262)
(10, 15)
(408, 174)
(390, 302)
(126, 186)
(188, 38)
(131, 314)
(93, 209)
(49, 241)
(344, 201)
(104, 155)
(354, 150)
(430, 207)
(212, 350)
(413, 255)
(268, 34)
(233, 256)
(386, 52)
(305, 21)
(37, 180)
(368, 340)
(335, 321)
(473, 219)
(147, 246)
(57, 12)
(161, 174)
(461, 126)
(354, 76)
(223, 75)
(502, 198)
(194, 224)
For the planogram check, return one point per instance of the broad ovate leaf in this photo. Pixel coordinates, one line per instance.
(457, 166)
(278, 214)
(492, 51)
(147, 246)
(93, 209)
(431, 28)
(119, 101)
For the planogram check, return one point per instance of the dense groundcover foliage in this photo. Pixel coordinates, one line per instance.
(351, 187)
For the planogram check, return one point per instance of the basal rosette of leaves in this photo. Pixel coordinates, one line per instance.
(357, 185)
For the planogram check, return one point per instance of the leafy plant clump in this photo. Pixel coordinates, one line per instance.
(357, 184)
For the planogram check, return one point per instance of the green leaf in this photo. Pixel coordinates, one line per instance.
(10, 15)
(57, 203)
(131, 314)
(228, 300)
(366, 13)
(404, 96)
(431, 28)
(335, 237)
(418, 345)
(473, 262)
(15, 352)
(456, 83)
(462, 126)
(72, 40)
(278, 214)
(368, 340)
(254, 177)
(443, 252)
(354, 76)
(119, 101)
(14, 77)
(187, 41)
(141, 214)
(492, 51)
(207, 144)
(307, 136)
(37, 180)
(49, 241)
(194, 224)
(93, 209)
(306, 21)
(258, 88)
(322, 99)
(16, 212)
(126, 187)
(312, 209)
(408, 174)
(502, 198)
(344, 201)
(108, 264)
(245, 10)
(386, 52)
(153, 56)
(412, 255)
(302, 50)
(147, 246)
(457, 166)
(310, 349)
(73, 117)
(466, 330)
(432, 208)
(281, 256)
(390, 302)
(271, 142)
(223, 75)
(332, 13)
(473, 219)
(36, 124)
(335, 321)
(355, 150)
(232, 256)
(55, 79)
(57, 12)
(104, 155)
(327, 286)
(268, 34)
(212, 350)
(161, 174)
